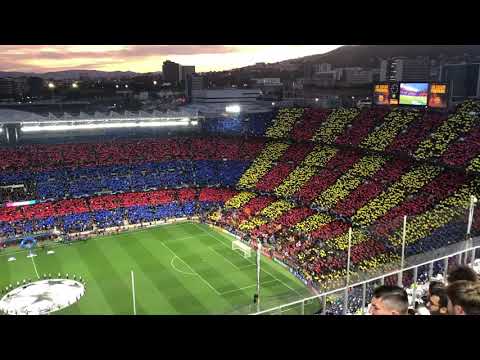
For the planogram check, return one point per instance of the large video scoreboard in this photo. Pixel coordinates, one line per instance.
(433, 95)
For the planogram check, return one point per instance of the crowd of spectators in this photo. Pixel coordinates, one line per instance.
(110, 210)
(396, 121)
(457, 124)
(284, 122)
(253, 124)
(306, 127)
(365, 122)
(23, 160)
(335, 125)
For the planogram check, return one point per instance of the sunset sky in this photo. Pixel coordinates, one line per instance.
(146, 58)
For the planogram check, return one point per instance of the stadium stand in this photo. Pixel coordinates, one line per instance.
(296, 179)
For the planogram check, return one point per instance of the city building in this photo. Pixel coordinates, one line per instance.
(13, 87)
(324, 67)
(270, 87)
(355, 76)
(7, 88)
(186, 71)
(171, 72)
(404, 69)
(35, 86)
(194, 82)
(323, 79)
(463, 80)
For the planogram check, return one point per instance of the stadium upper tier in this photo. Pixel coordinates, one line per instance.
(305, 178)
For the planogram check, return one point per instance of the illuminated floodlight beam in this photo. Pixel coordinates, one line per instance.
(107, 126)
(77, 120)
(234, 109)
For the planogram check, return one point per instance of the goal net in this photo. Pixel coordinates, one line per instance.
(243, 248)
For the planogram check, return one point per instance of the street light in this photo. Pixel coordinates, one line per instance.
(117, 86)
(75, 85)
(154, 82)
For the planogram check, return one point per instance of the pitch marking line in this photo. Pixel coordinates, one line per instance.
(35, 267)
(236, 267)
(200, 276)
(210, 234)
(180, 271)
(265, 271)
(247, 287)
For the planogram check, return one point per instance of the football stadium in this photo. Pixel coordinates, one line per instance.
(291, 210)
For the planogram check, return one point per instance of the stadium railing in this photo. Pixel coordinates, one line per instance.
(334, 298)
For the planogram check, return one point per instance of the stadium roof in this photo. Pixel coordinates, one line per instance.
(10, 116)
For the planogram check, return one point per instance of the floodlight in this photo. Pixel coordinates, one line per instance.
(235, 109)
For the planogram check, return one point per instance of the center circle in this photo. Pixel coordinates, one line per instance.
(42, 297)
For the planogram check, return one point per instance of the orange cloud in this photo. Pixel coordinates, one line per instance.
(145, 58)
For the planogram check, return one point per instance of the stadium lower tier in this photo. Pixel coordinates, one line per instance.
(110, 210)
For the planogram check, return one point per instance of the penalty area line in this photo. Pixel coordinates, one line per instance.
(252, 263)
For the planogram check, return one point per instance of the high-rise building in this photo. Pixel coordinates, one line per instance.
(171, 72)
(193, 83)
(185, 72)
(462, 79)
(404, 69)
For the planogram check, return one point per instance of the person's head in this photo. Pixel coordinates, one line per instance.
(438, 301)
(462, 272)
(431, 287)
(464, 298)
(389, 300)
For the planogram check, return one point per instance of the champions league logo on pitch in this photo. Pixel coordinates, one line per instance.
(42, 297)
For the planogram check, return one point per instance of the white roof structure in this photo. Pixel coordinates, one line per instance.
(15, 116)
(8, 116)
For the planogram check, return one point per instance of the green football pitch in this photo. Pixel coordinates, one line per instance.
(413, 100)
(182, 268)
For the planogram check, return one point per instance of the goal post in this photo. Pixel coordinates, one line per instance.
(243, 248)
